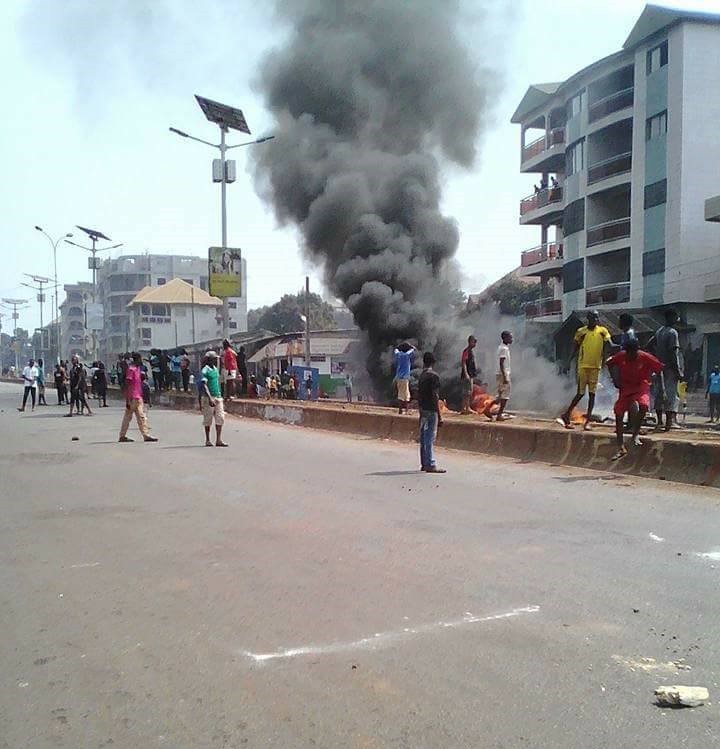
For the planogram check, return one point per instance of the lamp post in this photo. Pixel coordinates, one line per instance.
(55, 243)
(40, 281)
(15, 304)
(226, 118)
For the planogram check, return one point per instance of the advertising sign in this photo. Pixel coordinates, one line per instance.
(225, 271)
(95, 316)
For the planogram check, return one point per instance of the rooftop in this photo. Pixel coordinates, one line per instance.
(176, 291)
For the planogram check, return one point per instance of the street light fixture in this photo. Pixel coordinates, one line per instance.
(226, 118)
(15, 304)
(41, 282)
(95, 235)
(55, 243)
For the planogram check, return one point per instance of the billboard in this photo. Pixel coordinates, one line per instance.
(225, 271)
(95, 316)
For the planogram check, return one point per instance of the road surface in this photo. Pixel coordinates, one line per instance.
(306, 589)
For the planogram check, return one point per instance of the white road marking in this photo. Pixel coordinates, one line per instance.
(88, 564)
(383, 639)
(659, 539)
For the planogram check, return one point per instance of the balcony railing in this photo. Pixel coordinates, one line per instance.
(610, 167)
(613, 103)
(553, 137)
(611, 293)
(548, 251)
(543, 307)
(608, 231)
(540, 199)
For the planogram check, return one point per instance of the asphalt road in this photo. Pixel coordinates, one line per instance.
(306, 589)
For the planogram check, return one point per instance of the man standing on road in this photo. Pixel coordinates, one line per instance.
(468, 373)
(30, 376)
(430, 416)
(230, 365)
(212, 401)
(78, 388)
(667, 349)
(713, 393)
(41, 383)
(502, 378)
(134, 402)
(185, 370)
(632, 370)
(403, 356)
(590, 342)
(348, 387)
(242, 369)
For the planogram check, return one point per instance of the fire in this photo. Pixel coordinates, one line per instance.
(576, 417)
(443, 407)
(480, 399)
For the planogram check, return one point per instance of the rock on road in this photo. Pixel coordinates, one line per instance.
(307, 589)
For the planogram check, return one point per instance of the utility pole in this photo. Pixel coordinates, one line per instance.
(16, 304)
(41, 281)
(307, 321)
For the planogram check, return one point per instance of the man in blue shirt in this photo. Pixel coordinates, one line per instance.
(625, 321)
(404, 355)
(713, 393)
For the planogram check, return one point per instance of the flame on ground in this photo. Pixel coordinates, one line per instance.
(481, 399)
(576, 417)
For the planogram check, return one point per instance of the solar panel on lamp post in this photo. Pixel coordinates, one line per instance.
(226, 118)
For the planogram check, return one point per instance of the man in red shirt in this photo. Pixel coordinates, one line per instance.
(230, 365)
(134, 402)
(632, 370)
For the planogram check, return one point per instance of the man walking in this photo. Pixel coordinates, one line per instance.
(78, 388)
(430, 416)
(468, 373)
(502, 378)
(211, 399)
(667, 349)
(404, 355)
(590, 342)
(30, 376)
(632, 370)
(713, 393)
(134, 402)
(41, 383)
(230, 365)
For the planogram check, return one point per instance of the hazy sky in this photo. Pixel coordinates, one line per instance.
(91, 86)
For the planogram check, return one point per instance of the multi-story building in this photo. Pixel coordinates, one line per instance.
(119, 280)
(174, 314)
(628, 151)
(74, 339)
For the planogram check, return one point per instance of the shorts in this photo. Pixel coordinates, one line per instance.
(210, 413)
(403, 390)
(231, 374)
(625, 401)
(587, 377)
(466, 383)
(504, 389)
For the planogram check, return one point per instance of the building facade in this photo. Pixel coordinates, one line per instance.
(172, 315)
(74, 338)
(627, 152)
(120, 279)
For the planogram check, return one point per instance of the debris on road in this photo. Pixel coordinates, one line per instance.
(76, 439)
(679, 696)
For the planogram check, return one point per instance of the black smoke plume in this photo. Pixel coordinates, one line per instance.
(369, 98)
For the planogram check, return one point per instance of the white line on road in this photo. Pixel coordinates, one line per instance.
(659, 539)
(382, 639)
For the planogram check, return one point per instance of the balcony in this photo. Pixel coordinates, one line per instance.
(611, 293)
(555, 137)
(542, 198)
(541, 254)
(619, 164)
(613, 103)
(608, 231)
(543, 308)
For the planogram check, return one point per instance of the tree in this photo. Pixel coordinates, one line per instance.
(285, 315)
(510, 294)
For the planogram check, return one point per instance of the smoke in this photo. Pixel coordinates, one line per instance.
(369, 99)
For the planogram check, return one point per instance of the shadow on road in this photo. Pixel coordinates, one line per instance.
(393, 473)
(575, 479)
(182, 447)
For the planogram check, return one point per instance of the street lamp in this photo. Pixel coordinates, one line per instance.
(226, 118)
(15, 304)
(95, 236)
(55, 243)
(41, 281)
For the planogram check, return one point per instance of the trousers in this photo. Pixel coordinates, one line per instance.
(135, 406)
(428, 432)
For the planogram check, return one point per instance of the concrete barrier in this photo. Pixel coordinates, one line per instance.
(660, 457)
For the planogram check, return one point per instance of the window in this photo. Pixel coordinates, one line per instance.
(656, 194)
(577, 104)
(656, 126)
(233, 325)
(232, 305)
(653, 262)
(160, 310)
(145, 309)
(161, 282)
(145, 333)
(657, 57)
(574, 275)
(574, 217)
(180, 311)
(575, 158)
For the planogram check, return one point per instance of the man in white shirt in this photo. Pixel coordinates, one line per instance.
(30, 376)
(502, 378)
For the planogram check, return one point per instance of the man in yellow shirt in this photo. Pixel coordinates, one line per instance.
(590, 341)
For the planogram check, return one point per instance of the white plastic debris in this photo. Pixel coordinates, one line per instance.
(682, 696)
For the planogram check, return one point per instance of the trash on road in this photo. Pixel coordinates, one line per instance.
(76, 439)
(679, 696)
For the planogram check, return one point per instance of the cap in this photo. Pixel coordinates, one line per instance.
(211, 353)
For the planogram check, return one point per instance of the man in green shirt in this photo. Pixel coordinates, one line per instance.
(213, 406)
